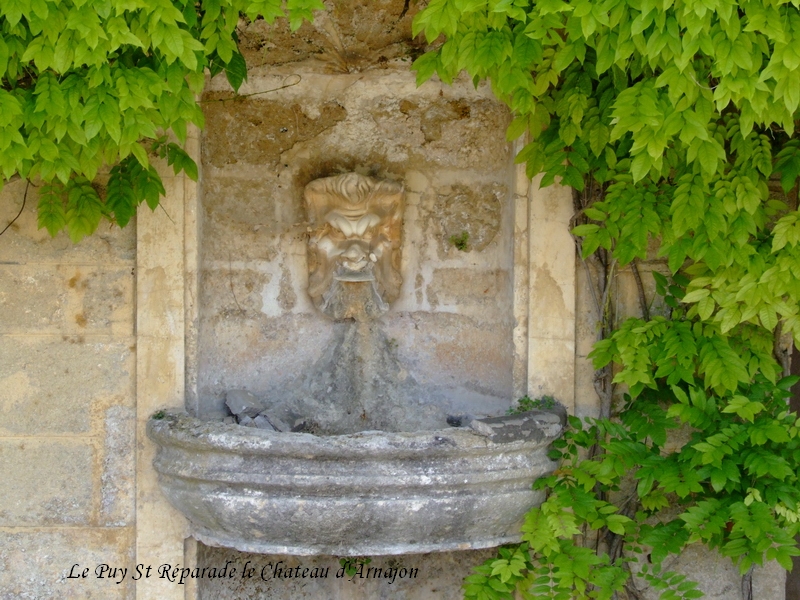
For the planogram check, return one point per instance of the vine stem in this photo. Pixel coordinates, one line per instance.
(747, 584)
(640, 288)
(21, 208)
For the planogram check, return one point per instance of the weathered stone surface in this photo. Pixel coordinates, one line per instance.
(118, 479)
(474, 211)
(510, 428)
(361, 494)
(229, 292)
(46, 482)
(474, 292)
(349, 36)
(263, 354)
(53, 385)
(35, 564)
(468, 362)
(258, 327)
(445, 132)
(358, 384)
(258, 131)
(243, 403)
(438, 575)
(65, 299)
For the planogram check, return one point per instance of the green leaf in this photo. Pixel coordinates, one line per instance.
(51, 211)
(84, 209)
(696, 295)
(120, 196)
(236, 71)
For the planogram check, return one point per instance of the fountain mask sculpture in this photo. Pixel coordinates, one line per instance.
(382, 473)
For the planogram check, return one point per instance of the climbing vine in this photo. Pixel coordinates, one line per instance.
(671, 120)
(87, 84)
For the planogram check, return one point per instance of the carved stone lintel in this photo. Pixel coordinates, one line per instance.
(354, 246)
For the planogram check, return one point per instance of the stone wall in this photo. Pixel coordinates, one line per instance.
(67, 402)
(453, 322)
(200, 298)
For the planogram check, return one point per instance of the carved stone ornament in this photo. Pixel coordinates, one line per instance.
(354, 246)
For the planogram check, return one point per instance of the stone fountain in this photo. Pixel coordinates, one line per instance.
(357, 459)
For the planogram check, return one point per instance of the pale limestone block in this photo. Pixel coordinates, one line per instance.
(118, 477)
(37, 563)
(551, 369)
(63, 299)
(416, 182)
(521, 286)
(521, 181)
(160, 371)
(551, 325)
(543, 322)
(245, 212)
(46, 482)
(551, 203)
(191, 294)
(54, 385)
(587, 402)
(478, 294)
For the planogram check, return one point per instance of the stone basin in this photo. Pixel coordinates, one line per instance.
(369, 493)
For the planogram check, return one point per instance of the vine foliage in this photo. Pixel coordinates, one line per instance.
(674, 121)
(88, 84)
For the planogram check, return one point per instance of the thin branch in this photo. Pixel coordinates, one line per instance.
(606, 296)
(640, 288)
(161, 206)
(404, 11)
(595, 300)
(747, 584)
(21, 208)
(277, 89)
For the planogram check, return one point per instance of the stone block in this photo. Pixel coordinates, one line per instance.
(230, 293)
(260, 354)
(46, 482)
(240, 212)
(65, 299)
(551, 369)
(243, 403)
(769, 581)
(36, 564)
(453, 352)
(118, 479)
(257, 131)
(351, 25)
(483, 295)
(54, 385)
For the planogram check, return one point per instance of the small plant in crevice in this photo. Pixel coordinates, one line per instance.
(460, 241)
(351, 564)
(159, 414)
(525, 404)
